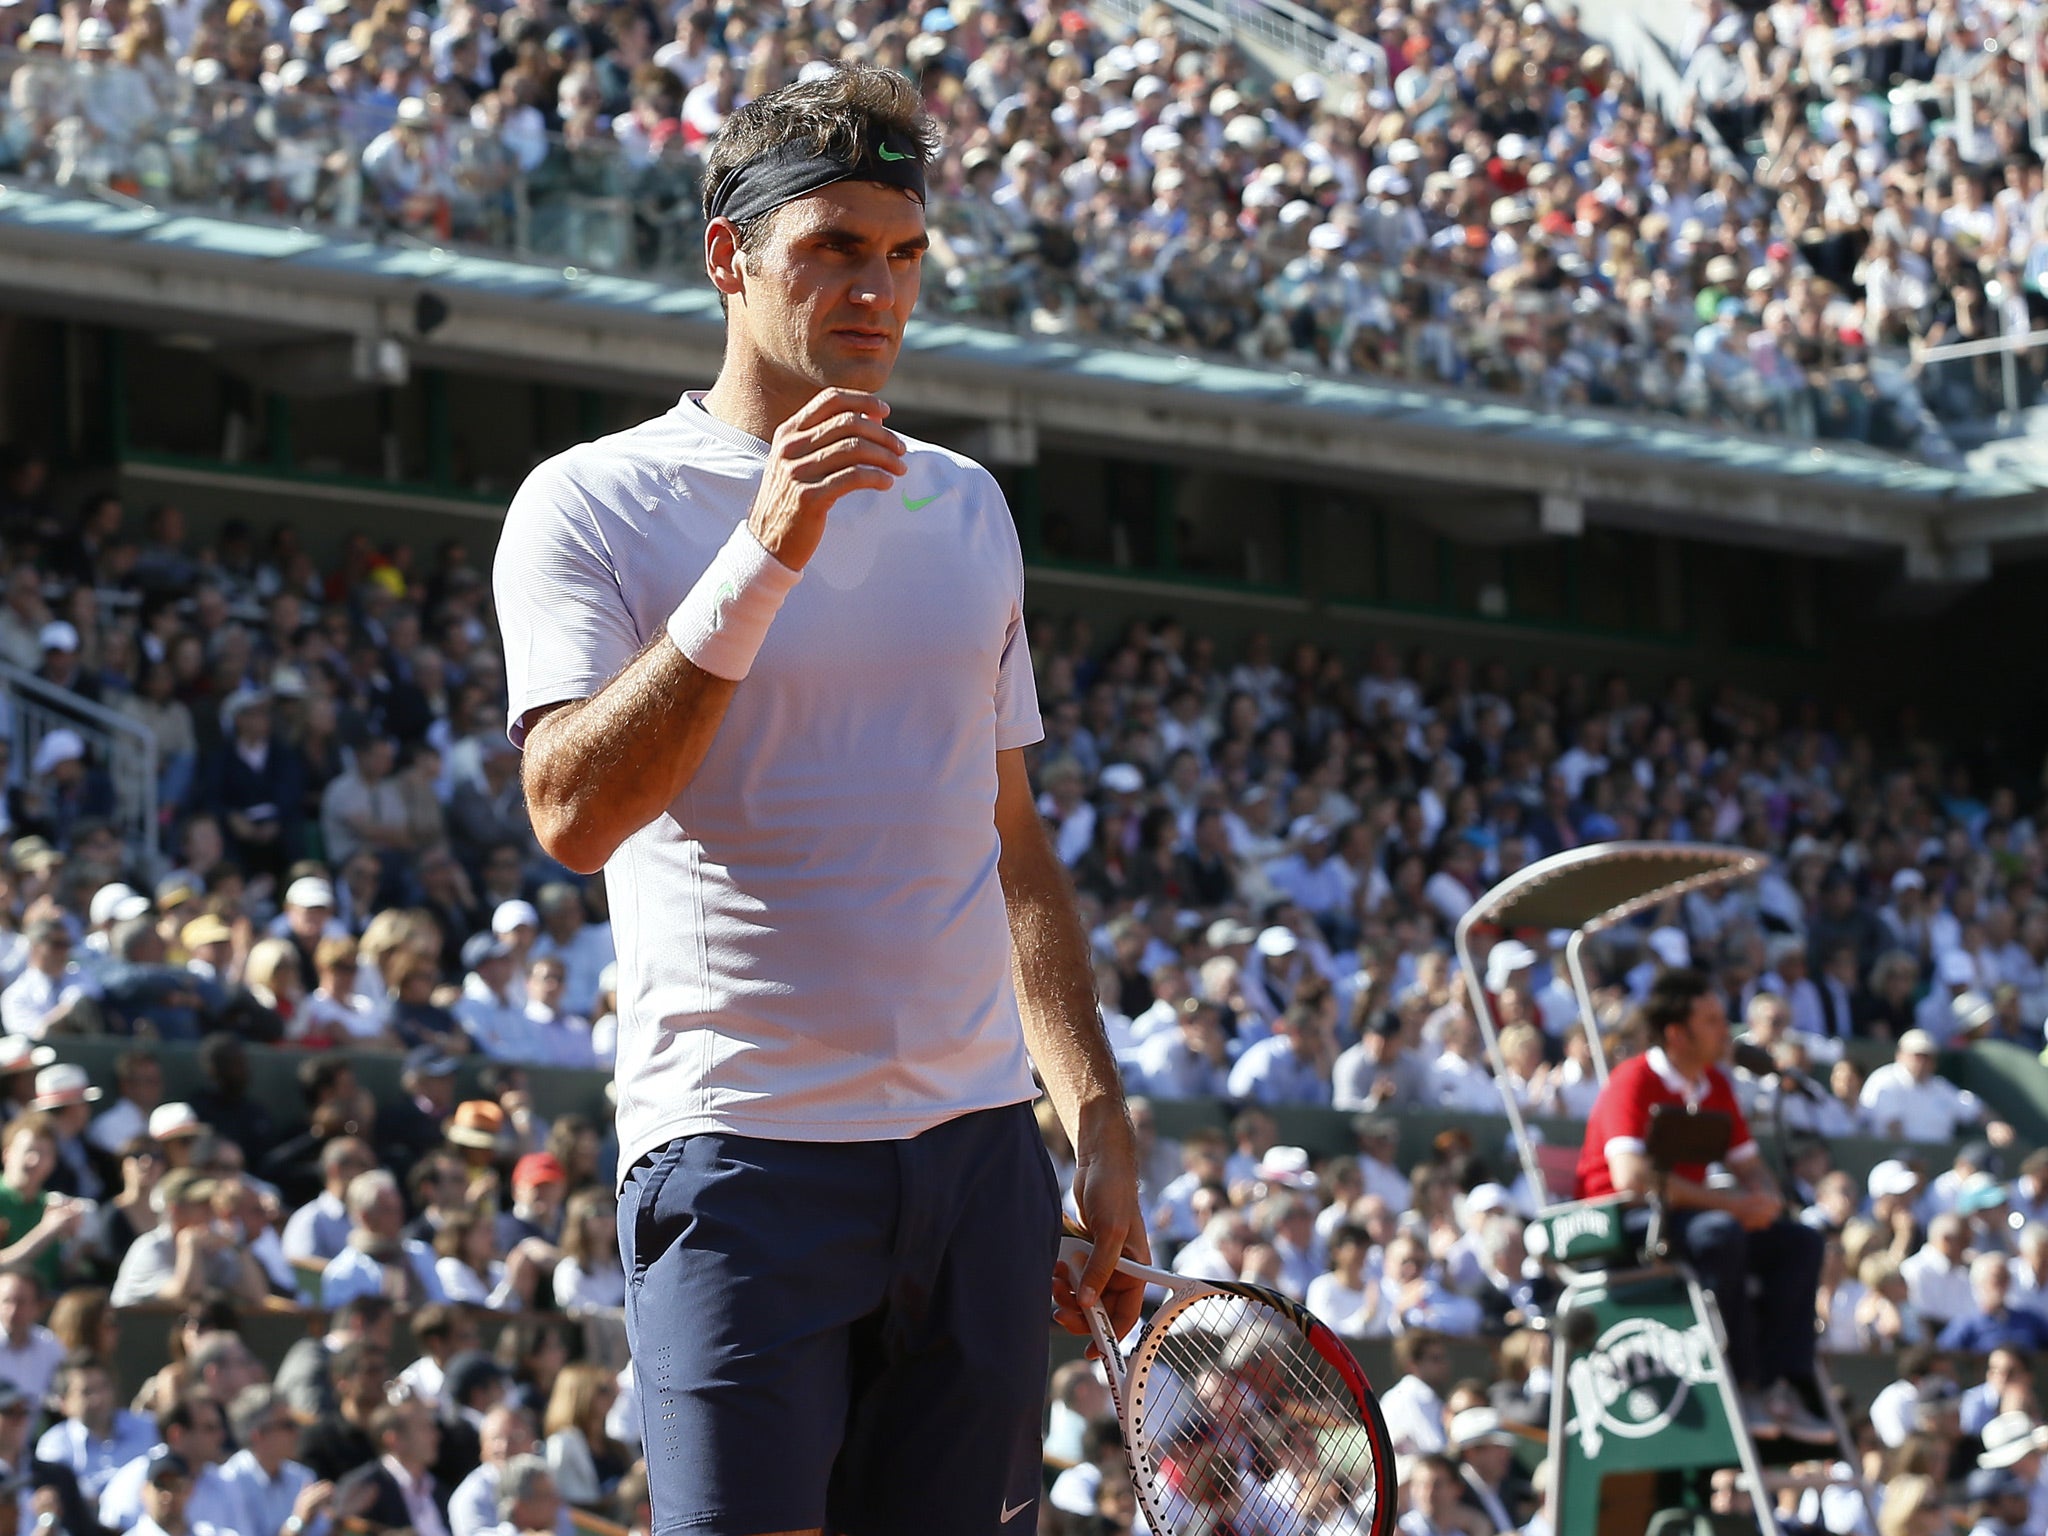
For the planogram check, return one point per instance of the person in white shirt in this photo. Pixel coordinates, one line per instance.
(1905, 1100)
(139, 1082)
(528, 1498)
(377, 1209)
(334, 1008)
(274, 1492)
(195, 1430)
(1417, 1300)
(590, 1278)
(396, 1490)
(1458, 1077)
(165, 1500)
(584, 948)
(29, 1352)
(1413, 1406)
(49, 987)
(1938, 1276)
(2029, 1269)
(1348, 1299)
(488, 1011)
(96, 1437)
(319, 1229)
(557, 1038)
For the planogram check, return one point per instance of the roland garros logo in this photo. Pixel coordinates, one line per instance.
(1636, 1379)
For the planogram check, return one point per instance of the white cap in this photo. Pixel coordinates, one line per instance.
(1513, 146)
(1403, 152)
(168, 1120)
(1146, 87)
(1308, 87)
(1727, 30)
(1479, 1426)
(514, 914)
(1533, 15)
(115, 903)
(1277, 942)
(1463, 167)
(62, 1085)
(1504, 959)
(1671, 946)
(1245, 132)
(2011, 1438)
(95, 34)
(1116, 120)
(1385, 181)
(1286, 1165)
(309, 891)
(1909, 880)
(412, 112)
(60, 746)
(1892, 1177)
(57, 636)
(1486, 1198)
(308, 19)
(1122, 779)
(1300, 211)
(1324, 237)
(45, 31)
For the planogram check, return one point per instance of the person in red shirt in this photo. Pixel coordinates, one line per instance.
(1728, 1234)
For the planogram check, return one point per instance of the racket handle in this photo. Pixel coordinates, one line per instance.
(1076, 1251)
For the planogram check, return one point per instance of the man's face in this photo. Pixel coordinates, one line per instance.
(543, 1196)
(20, 1306)
(143, 1085)
(204, 1440)
(539, 1509)
(544, 985)
(417, 1441)
(89, 1397)
(163, 1499)
(828, 288)
(27, 1161)
(308, 923)
(1490, 1461)
(1919, 1063)
(1708, 1027)
(385, 1216)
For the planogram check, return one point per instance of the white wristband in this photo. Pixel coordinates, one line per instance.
(721, 624)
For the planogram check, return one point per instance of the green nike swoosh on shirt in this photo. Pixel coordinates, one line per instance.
(886, 153)
(921, 503)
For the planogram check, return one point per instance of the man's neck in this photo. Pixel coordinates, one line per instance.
(748, 395)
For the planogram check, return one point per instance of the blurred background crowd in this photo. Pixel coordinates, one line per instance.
(1271, 845)
(1463, 193)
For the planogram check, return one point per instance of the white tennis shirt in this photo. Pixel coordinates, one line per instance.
(812, 940)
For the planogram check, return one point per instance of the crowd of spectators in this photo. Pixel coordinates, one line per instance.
(1270, 847)
(1465, 192)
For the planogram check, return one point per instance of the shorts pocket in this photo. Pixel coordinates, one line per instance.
(649, 1237)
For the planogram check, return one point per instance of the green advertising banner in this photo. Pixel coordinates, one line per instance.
(1643, 1388)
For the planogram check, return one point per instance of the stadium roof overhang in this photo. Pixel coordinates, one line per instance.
(258, 285)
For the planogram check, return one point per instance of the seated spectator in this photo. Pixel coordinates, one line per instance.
(51, 989)
(445, 1332)
(1938, 1276)
(96, 1437)
(556, 1038)
(584, 948)
(1459, 1078)
(1346, 1297)
(343, 1439)
(1413, 1406)
(539, 1186)
(1290, 1066)
(586, 1463)
(272, 1490)
(189, 1252)
(396, 1488)
(306, 1375)
(319, 1229)
(1886, 1317)
(2008, 1385)
(506, 1435)
(1905, 1100)
(29, 1353)
(590, 1277)
(1513, 1292)
(334, 1014)
(139, 1088)
(470, 1272)
(1484, 1448)
(47, 1223)
(379, 1258)
(1190, 1060)
(195, 1431)
(1417, 1299)
(1990, 1322)
(1380, 1073)
(529, 1498)
(490, 1012)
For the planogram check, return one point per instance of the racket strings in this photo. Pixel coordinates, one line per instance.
(1244, 1429)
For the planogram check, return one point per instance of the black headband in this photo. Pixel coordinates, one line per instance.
(790, 171)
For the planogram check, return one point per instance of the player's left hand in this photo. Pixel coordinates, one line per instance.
(1106, 1190)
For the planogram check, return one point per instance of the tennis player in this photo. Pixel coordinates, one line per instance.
(766, 657)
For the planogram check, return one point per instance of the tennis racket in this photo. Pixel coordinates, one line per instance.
(1242, 1414)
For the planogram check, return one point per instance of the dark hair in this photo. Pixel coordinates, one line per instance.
(182, 1414)
(363, 1312)
(1671, 999)
(319, 1075)
(840, 114)
(1410, 1347)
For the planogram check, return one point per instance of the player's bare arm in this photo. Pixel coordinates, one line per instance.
(1063, 1031)
(599, 769)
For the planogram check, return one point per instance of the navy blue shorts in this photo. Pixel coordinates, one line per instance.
(844, 1335)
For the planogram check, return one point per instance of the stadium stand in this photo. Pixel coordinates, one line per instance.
(1462, 194)
(272, 921)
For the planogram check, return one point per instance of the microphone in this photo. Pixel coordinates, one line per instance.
(1758, 1062)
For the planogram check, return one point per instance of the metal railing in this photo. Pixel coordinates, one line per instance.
(125, 747)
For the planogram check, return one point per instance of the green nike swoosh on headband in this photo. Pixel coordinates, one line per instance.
(886, 153)
(920, 504)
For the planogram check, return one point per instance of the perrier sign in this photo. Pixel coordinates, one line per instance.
(1643, 1390)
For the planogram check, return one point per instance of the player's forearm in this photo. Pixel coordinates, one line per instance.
(1056, 990)
(598, 771)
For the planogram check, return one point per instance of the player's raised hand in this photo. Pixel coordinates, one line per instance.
(834, 445)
